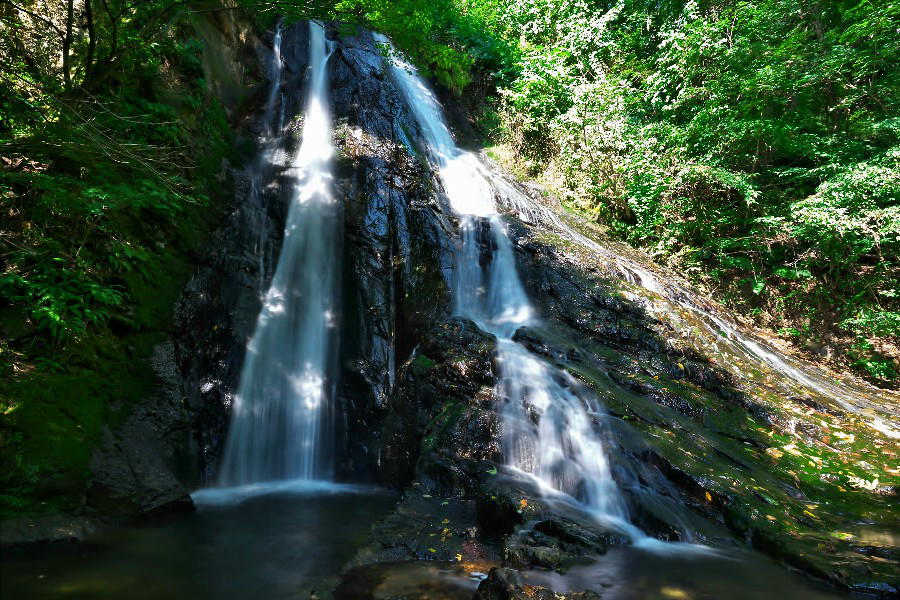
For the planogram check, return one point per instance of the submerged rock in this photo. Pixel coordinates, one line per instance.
(44, 529)
(507, 584)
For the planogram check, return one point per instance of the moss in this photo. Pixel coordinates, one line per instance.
(54, 422)
(448, 414)
(53, 418)
(421, 364)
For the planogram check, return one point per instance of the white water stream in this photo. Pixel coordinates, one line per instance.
(281, 413)
(550, 429)
(563, 451)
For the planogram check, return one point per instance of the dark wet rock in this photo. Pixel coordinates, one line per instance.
(581, 537)
(396, 247)
(441, 425)
(507, 584)
(130, 480)
(537, 533)
(134, 470)
(557, 543)
(504, 503)
(427, 527)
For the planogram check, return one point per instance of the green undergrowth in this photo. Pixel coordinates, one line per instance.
(104, 204)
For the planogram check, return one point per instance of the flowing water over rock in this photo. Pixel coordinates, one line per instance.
(553, 428)
(548, 430)
(879, 407)
(281, 415)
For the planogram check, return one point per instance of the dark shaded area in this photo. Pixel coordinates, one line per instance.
(266, 547)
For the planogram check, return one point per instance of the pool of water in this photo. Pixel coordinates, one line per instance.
(283, 541)
(629, 573)
(277, 545)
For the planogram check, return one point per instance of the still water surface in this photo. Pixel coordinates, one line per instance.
(269, 546)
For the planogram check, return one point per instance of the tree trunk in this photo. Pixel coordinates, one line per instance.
(92, 39)
(67, 44)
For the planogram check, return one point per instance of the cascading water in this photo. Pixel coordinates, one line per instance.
(271, 150)
(877, 412)
(563, 451)
(279, 425)
(275, 87)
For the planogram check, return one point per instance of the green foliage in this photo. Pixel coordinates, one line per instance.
(63, 301)
(104, 150)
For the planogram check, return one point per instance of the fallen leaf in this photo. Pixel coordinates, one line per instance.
(792, 449)
(774, 452)
(674, 593)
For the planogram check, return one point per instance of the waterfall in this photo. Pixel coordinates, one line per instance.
(280, 420)
(275, 87)
(563, 451)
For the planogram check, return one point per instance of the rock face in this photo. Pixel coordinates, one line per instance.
(134, 469)
(396, 247)
(445, 395)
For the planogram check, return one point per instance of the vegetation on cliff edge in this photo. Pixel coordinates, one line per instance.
(108, 143)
